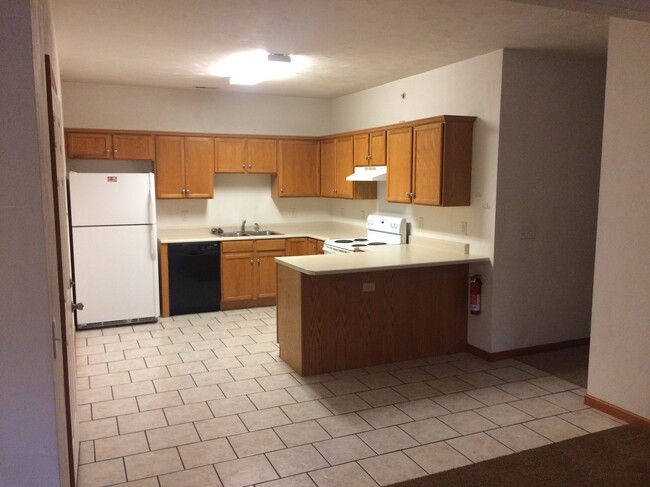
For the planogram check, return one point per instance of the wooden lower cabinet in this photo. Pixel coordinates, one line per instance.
(328, 323)
(248, 272)
(304, 246)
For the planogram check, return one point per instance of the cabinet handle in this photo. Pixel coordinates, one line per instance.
(251, 261)
(108, 151)
(250, 166)
(333, 190)
(114, 151)
(281, 190)
(243, 166)
(258, 261)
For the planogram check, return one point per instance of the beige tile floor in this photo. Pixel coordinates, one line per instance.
(204, 400)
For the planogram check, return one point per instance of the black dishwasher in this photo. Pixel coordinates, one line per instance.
(194, 277)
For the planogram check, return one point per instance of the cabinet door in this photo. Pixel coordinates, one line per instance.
(427, 164)
(199, 164)
(298, 168)
(297, 246)
(315, 246)
(261, 155)
(328, 169)
(266, 273)
(133, 146)
(237, 271)
(398, 160)
(89, 146)
(169, 167)
(361, 150)
(344, 155)
(378, 148)
(230, 155)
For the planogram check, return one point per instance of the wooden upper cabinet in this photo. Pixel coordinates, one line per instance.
(87, 145)
(370, 149)
(427, 164)
(199, 167)
(184, 167)
(344, 157)
(337, 163)
(328, 168)
(169, 167)
(398, 159)
(440, 170)
(298, 168)
(245, 155)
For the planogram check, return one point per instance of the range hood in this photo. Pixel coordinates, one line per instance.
(368, 173)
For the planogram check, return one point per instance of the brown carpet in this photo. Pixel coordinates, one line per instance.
(615, 457)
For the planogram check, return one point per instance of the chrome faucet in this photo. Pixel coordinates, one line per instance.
(243, 226)
(257, 227)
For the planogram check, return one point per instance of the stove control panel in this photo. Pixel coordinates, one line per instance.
(386, 224)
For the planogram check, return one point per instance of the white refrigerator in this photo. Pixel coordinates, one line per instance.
(114, 248)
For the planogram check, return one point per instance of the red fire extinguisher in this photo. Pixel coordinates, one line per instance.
(475, 295)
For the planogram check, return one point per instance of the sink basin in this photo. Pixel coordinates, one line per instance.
(263, 232)
(251, 233)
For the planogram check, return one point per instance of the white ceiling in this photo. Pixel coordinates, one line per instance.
(353, 44)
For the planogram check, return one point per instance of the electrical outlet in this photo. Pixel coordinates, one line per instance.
(184, 215)
(368, 287)
(463, 228)
(420, 222)
(363, 214)
(292, 212)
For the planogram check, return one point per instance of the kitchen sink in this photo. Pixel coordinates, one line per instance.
(251, 233)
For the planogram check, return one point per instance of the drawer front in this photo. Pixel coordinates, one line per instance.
(237, 246)
(271, 244)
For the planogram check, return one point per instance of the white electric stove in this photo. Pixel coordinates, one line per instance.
(381, 230)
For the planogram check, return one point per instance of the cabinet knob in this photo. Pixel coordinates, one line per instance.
(114, 151)
(333, 190)
(249, 166)
(108, 151)
(251, 261)
(258, 261)
(410, 195)
(243, 166)
(281, 190)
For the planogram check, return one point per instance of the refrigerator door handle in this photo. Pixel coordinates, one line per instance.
(153, 240)
(152, 199)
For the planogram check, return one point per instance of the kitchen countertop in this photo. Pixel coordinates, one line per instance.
(381, 258)
(317, 230)
(420, 252)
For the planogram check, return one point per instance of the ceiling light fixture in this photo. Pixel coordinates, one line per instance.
(253, 67)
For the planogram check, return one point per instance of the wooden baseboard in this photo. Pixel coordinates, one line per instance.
(617, 412)
(506, 354)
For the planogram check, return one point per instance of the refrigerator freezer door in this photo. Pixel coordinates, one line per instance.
(112, 199)
(116, 274)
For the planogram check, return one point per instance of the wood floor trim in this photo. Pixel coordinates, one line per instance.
(506, 354)
(617, 412)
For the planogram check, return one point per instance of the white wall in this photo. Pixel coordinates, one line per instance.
(547, 198)
(471, 87)
(619, 361)
(237, 197)
(28, 436)
(89, 105)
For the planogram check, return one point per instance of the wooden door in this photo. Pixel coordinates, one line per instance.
(361, 150)
(377, 148)
(398, 160)
(63, 330)
(344, 155)
(427, 164)
(237, 272)
(266, 273)
(298, 168)
(297, 246)
(230, 155)
(89, 146)
(169, 167)
(133, 147)
(328, 168)
(199, 164)
(261, 155)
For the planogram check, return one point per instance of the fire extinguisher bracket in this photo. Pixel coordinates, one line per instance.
(475, 294)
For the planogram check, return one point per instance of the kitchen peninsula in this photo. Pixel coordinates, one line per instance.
(389, 304)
